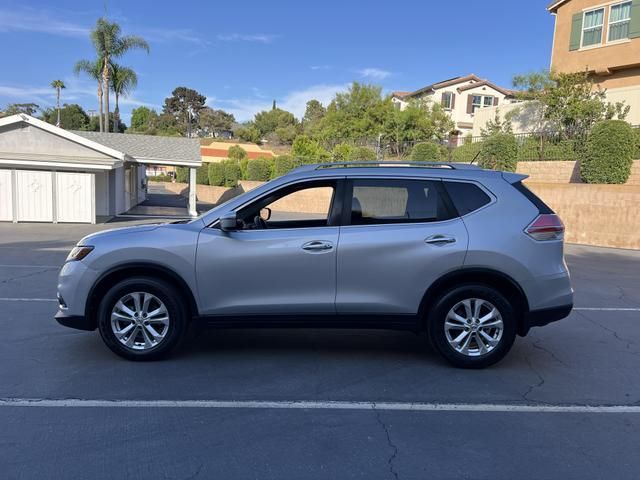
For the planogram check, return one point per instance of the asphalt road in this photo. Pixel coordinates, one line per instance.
(70, 409)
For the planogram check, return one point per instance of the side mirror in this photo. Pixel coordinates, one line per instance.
(229, 222)
(265, 213)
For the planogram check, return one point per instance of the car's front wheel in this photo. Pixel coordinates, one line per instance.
(142, 318)
(472, 326)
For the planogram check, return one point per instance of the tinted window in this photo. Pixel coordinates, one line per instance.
(533, 198)
(397, 201)
(466, 197)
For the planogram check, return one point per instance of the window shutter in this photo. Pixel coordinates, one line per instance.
(576, 32)
(469, 103)
(495, 101)
(444, 94)
(453, 98)
(634, 27)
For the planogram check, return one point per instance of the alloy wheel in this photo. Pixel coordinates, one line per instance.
(140, 320)
(474, 327)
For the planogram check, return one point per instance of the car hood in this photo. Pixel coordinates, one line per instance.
(136, 229)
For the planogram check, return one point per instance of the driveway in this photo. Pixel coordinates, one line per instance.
(279, 404)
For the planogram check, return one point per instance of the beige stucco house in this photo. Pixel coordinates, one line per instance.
(461, 97)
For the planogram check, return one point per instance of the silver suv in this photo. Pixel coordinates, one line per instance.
(469, 256)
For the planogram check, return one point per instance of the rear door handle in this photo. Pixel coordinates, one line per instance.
(440, 240)
(317, 246)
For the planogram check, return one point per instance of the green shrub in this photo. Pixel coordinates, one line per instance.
(609, 153)
(341, 152)
(425, 152)
(182, 174)
(202, 174)
(259, 170)
(159, 178)
(529, 149)
(232, 172)
(562, 150)
(361, 153)
(244, 166)
(216, 174)
(236, 152)
(282, 165)
(466, 152)
(499, 152)
(636, 154)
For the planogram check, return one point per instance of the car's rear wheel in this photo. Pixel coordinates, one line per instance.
(142, 318)
(472, 326)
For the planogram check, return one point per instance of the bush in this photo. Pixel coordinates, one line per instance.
(609, 153)
(202, 174)
(282, 165)
(232, 173)
(466, 152)
(244, 167)
(259, 170)
(341, 152)
(636, 154)
(236, 152)
(425, 152)
(159, 178)
(499, 152)
(182, 174)
(308, 149)
(216, 174)
(361, 153)
(533, 149)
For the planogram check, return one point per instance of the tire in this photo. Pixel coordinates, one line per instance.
(494, 337)
(160, 334)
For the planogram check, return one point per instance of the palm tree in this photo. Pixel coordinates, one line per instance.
(58, 85)
(94, 71)
(109, 45)
(123, 81)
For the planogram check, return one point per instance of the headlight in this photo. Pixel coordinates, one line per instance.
(79, 252)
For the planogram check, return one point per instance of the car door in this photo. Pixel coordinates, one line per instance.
(282, 258)
(398, 237)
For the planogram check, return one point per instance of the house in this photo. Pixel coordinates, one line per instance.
(48, 174)
(462, 97)
(602, 38)
(218, 151)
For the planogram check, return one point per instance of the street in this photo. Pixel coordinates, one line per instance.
(68, 406)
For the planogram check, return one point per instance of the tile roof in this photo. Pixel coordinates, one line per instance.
(172, 150)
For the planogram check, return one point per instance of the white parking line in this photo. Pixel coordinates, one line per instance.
(607, 309)
(319, 405)
(27, 299)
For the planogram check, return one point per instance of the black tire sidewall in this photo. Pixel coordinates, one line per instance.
(437, 316)
(172, 301)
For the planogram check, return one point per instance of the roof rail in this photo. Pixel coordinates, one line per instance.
(382, 163)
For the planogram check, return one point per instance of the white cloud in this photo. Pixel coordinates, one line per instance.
(376, 73)
(320, 67)
(31, 20)
(241, 37)
(295, 101)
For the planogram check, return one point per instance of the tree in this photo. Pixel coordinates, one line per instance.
(269, 121)
(94, 71)
(308, 149)
(110, 45)
(143, 119)
(212, 122)
(184, 104)
(26, 108)
(123, 81)
(58, 85)
(71, 116)
(94, 124)
(248, 133)
(236, 152)
(570, 102)
(313, 114)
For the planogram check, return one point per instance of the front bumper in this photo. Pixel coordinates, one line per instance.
(79, 322)
(540, 318)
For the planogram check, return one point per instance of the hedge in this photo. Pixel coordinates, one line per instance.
(159, 178)
(282, 165)
(499, 152)
(259, 170)
(425, 152)
(182, 174)
(202, 174)
(361, 153)
(216, 174)
(609, 153)
(232, 173)
(636, 132)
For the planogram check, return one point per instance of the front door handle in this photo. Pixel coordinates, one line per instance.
(440, 240)
(317, 246)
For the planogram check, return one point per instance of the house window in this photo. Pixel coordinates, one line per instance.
(592, 27)
(619, 21)
(480, 101)
(447, 100)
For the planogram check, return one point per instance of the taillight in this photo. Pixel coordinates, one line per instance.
(546, 227)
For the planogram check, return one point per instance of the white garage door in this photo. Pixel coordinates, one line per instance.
(6, 196)
(34, 199)
(74, 193)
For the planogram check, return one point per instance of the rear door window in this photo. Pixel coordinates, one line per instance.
(466, 197)
(383, 201)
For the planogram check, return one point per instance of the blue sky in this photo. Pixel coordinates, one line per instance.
(243, 54)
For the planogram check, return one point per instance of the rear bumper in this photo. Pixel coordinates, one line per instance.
(79, 322)
(539, 318)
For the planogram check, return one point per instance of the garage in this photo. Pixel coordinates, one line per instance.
(48, 174)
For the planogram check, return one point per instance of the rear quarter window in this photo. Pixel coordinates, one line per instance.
(466, 197)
